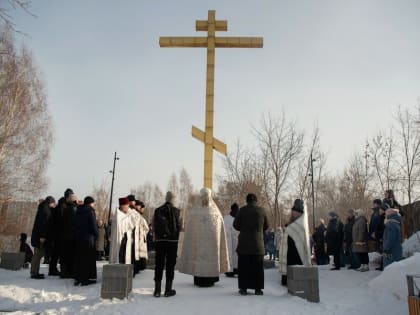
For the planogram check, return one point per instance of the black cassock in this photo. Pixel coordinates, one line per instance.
(251, 272)
(205, 281)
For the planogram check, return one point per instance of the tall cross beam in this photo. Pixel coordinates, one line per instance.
(210, 42)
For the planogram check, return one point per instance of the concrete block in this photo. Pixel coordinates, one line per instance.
(303, 282)
(302, 273)
(12, 261)
(117, 281)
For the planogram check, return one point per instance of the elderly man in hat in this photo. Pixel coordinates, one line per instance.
(295, 249)
(166, 225)
(121, 234)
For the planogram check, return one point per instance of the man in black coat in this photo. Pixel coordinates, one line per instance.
(251, 222)
(166, 226)
(39, 235)
(335, 239)
(379, 232)
(67, 234)
(319, 243)
(86, 231)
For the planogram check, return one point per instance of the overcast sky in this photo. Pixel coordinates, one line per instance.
(345, 64)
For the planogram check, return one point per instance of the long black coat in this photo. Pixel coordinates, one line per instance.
(319, 238)
(251, 221)
(334, 236)
(348, 231)
(67, 222)
(86, 229)
(41, 223)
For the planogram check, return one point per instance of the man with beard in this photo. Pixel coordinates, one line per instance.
(251, 222)
(39, 235)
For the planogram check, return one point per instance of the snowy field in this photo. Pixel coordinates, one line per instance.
(342, 292)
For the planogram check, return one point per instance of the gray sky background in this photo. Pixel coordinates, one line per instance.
(345, 64)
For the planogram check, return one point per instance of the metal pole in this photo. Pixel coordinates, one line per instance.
(112, 187)
(313, 192)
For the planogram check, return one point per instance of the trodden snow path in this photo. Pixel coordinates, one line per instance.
(342, 292)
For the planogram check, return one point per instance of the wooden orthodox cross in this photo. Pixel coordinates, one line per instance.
(210, 42)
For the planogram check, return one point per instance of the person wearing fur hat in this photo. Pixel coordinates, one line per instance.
(392, 249)
(232, 240)
(360, 239)
(295, 248)
(335, 238)
(166, 226)
(251, 221)
(121, 234)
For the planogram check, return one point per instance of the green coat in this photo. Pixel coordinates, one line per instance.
(251, 222)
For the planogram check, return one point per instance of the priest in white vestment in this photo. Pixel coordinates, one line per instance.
(204, 253)
(295, 249)
(232, 240)
(122, 226)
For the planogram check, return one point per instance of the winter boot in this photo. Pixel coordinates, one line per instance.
(156, 293)
(365, 268)
(168, 289)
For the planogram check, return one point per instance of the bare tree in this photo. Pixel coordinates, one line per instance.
(101, 195)
(280, 143)
(186, 189)
(382, 155)
(7, 6)
(25, 124)
(409, 133)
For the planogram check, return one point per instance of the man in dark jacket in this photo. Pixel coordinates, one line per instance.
(166, 226)
(39, 235)
(335, 238)
(86, 231)
(251, 222)
(54, 240)
(319, 243)
(67, 234)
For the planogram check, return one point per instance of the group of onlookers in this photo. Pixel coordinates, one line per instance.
(350, 243)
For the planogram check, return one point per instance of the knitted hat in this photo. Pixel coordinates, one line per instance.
(251, 198)
(131, 198)
(50, 199)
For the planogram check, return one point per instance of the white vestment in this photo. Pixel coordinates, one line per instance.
(121, 223)
(136, 217)
(204, 251)
(232, 241)
(144, 229)
(298, 230)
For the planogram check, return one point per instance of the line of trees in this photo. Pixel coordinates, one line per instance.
(278, 169)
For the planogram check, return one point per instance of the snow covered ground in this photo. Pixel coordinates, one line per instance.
(342, 292)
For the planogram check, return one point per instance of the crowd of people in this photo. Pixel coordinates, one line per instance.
(235, 245)
(350, 242)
